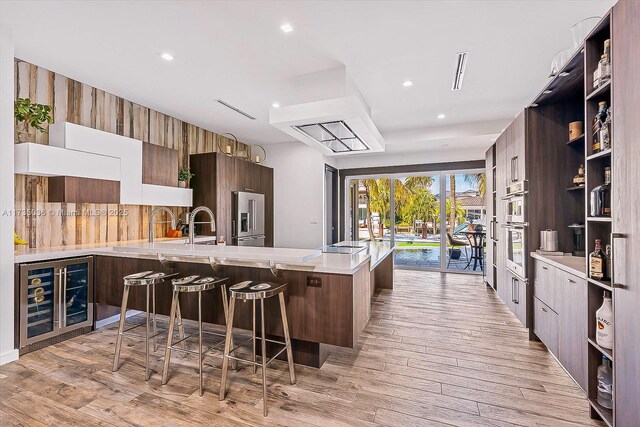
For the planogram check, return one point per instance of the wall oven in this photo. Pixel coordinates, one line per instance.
(515, 200)
(516, 248)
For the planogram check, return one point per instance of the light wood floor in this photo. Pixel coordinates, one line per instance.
(439, 350)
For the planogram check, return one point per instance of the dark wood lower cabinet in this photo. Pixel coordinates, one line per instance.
(332, 313)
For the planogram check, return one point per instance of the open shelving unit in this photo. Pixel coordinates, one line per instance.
(596, 227)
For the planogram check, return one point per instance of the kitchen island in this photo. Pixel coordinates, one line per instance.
(328, 296)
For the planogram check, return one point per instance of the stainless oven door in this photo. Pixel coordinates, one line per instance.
(516, 249)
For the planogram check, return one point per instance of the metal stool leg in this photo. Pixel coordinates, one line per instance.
(225, 307)
(287, 337)
(123, 315)
(155, 331)
(167, 351)
(254, 336)
(263, 341)
(183, 344)
(147, 374)
(200, 341)
(227, 348)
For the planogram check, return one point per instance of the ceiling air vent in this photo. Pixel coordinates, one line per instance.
(336, 135)
(237, 110)
(461, 64)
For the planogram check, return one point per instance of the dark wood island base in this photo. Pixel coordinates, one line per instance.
(324, 310)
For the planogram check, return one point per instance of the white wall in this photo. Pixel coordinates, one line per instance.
(298, 194)
(7, 351)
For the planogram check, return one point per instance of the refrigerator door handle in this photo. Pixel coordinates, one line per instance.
(64, 299)
(60, 298)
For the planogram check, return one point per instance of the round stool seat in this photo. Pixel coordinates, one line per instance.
(251, 290)
(196, 283)
(146, 278)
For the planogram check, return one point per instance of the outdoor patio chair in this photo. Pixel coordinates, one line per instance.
(456, 244)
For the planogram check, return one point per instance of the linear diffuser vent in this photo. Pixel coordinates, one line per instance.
(461, 65)
(337, 136)
(237, 110)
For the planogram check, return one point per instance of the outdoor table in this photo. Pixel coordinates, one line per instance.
(476, 241)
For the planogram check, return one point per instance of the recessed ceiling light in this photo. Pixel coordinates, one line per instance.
(166, 56)
(441, 116)
(564, 74)
(547, 91)
(287, 28)
(407, 83)
(532, 105)
(275, 105)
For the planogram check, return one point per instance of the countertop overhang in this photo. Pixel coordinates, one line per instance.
(312, 260)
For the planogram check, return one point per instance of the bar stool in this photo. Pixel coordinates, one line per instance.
(149, 279)
(257, 291)
(192, 284)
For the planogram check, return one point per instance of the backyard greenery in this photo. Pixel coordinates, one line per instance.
(414, 201)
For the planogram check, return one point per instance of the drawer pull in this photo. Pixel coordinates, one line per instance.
(544, 268)
(543, 309)
(572, 281)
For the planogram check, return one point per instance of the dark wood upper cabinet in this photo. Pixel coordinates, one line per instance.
(70, 189)
(217, 176)
(159, 165)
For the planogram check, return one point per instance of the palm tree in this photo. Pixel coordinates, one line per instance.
(477, 180)
(452, 197)
(370, 188)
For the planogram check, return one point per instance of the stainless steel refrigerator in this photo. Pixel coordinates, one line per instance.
(247, 219)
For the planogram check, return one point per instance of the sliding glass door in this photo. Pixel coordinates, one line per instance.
(435, 220)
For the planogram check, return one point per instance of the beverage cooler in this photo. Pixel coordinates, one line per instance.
(56, 301)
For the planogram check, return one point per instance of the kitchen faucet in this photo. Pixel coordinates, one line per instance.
(192, 222)
(152, 223)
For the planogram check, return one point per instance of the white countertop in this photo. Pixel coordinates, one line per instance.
(575, 265)
(284, 258)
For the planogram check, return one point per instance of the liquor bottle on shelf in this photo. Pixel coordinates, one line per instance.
(604, 375)
(599, 200)
(604, 322)
(578, 180)
(601, 124)
(597, 263)
(602, 73)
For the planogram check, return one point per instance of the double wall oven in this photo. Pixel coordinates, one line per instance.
(516, 228)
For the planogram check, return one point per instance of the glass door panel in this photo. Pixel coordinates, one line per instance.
(40, 301)
(75, 293)
(417, 223)
(374, 209)
(465, 222)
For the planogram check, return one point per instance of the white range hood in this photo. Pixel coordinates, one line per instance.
(336, 125)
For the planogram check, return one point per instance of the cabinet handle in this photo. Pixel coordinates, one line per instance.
(60, 298)
(64, 299)
(544, 268)
(571, 281)
(516, 281)
(615, 236)
(543, 309)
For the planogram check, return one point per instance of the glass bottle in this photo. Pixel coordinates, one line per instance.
(597, 262)
(605, 383)
(601, 128)
(604, 69)
(599, 200)
(605, 131)
(604, 322)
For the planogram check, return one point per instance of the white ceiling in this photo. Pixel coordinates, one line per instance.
(235, 51)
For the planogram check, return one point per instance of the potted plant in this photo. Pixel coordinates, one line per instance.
(184, 175)
(29, 114)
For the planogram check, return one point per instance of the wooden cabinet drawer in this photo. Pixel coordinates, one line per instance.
(546, 325)
(572, 326)
(545, 284)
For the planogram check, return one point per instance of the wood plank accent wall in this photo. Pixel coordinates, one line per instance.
(79, 103)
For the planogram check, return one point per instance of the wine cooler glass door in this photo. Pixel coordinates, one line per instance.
(76, 291)
(39, 302)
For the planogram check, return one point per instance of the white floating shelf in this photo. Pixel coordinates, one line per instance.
(45, 160)
(158, 195)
